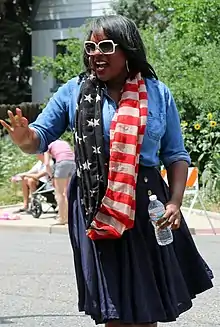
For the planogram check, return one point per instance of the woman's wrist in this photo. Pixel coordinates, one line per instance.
(177, 200)
(31, 143)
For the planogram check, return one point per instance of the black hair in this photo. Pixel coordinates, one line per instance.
(124, 32)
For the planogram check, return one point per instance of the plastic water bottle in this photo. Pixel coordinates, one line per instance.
(156, 211)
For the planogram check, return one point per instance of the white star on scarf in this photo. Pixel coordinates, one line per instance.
(77, 106)
(92, 192)
(78, 139)
(98, 98)
(96, 150)
(91, 77)
(99, 178)
(84, 137)
(78, 173)
(93, 122)
(88, 210)
(86, 165)
(90, 122)
(88, 98)
(96, 122)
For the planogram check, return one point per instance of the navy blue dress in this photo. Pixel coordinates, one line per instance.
(133, 279)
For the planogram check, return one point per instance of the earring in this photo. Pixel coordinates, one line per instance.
(127, 67)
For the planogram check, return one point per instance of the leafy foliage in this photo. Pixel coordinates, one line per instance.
(182, 40)
(64, 66)
(143, 12)
(211, 180)
(202, 138)
(198, 20)
(15, 51)
(12, 161)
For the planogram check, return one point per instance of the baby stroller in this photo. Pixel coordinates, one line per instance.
(43, 195)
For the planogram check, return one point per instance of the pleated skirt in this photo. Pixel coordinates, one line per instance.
(133, 279)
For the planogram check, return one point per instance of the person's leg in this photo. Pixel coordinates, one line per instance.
(66, 200)
(32, 184)
(62, 174)
(25, 191)
(60, 192)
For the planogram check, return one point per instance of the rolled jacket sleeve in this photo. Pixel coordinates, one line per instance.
(172, 144)
(54, 119)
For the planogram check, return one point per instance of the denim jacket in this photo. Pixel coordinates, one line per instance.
(162, 141)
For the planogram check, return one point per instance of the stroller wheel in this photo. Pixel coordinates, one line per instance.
(36, 208)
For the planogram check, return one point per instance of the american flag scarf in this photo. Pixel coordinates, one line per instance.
(109, 196)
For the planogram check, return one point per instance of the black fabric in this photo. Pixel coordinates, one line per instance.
(89, 147)
(133, 279)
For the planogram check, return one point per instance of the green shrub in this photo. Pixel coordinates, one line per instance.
(12, 161)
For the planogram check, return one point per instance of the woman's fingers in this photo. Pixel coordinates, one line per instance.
(18, 116)
(6, 126)
(12, 118)
(24, 122)
(19, 113)
(176, 224)
(16, 120)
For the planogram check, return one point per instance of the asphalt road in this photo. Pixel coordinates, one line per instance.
(37, 283)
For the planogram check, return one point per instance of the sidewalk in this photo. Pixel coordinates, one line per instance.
(46, 222)
(197, 222)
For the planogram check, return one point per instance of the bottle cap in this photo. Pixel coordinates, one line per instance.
(152, 197)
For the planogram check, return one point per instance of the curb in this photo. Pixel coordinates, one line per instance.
(211, 214)
(27, 228)
(192, 231)
(207, 231)
(53, 229)
(11, 206)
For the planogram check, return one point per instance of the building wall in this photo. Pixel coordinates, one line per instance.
(52, 21)
(62, 9)
(43, 44)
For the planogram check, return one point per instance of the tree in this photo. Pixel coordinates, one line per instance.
(143, 12)
(197, 19)
(189, 67)
(64, 66)
(15, 51)
(186, 57)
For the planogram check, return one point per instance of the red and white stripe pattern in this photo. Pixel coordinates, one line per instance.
(117, 210)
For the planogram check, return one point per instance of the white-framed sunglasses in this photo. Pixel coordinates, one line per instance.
(106, 47)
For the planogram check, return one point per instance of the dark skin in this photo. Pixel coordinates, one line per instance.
(177, 176)
(24, 137)
(114, 75)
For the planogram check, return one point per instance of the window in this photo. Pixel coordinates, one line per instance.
(58, 48)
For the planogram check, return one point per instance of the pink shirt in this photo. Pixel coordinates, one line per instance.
(61, 150)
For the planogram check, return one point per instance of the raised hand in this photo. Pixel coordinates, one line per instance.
(18, 128)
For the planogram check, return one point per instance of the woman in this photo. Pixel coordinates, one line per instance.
(61, 152)
(124, 122)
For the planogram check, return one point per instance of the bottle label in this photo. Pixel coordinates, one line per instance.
(157, 214)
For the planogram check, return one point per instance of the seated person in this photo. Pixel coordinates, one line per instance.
(32, 180)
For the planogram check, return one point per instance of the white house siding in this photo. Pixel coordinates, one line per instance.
(62, 9)
(43, 44)
(51, 22)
